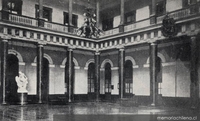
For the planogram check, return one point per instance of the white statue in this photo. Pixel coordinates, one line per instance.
(22, 82)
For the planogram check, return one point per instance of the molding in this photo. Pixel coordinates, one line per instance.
(102, 69)
(74, 60)
(75, 67)
(135, 66)
(168, 64)
(114, 68)
(50, 65)
(22, 64)
(62, 66)
(46, 31)
(162, 57)
(47, 57)
(146, 65)
(131, 59)
(17, 54)
(33, 64)
(88, 63)
(106, 61)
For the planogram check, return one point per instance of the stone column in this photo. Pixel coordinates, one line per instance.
(97, 13)
(121, 72)
(40, 19)
(153, 12)
(121, 26)
(194, 85)
(70, 73)
(40, 53)
(153, 75)
(4, 53)
(70, 15)
(97, 75)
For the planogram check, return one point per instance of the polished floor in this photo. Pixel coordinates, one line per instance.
(44, 112)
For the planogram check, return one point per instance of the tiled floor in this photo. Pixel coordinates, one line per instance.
(43, 112)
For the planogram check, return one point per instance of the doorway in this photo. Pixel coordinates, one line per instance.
(159, 80)
(128, 83)
(91, 81)
(11, 85)
(108, 81)
(45, 81)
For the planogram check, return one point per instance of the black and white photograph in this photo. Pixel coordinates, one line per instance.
(99, 60)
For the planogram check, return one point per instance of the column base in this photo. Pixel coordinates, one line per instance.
(22, 98)
(4, 103)
(153, 104)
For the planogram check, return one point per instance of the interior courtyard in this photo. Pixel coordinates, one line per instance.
(104, 57)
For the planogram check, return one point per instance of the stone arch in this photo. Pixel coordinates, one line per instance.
(88, 63)
(106, 61)
(131, 59)
(74, 60)
(160, 55)
(47, 57)
(17, 54)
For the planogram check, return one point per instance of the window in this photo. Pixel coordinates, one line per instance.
(128, 77)
(74, 19)
(159, 74)
(13, 6)
(107, 24)
(108, 78)
(91, 78)
(161, 8)
(188, 2)
(130, 17)
(47, 13)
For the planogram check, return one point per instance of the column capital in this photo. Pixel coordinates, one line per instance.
(153, 43)
(120, 47)
(193, 37)
(4, 40)
(41, 43)
(97, 53)
(71, 47)
(4, 37)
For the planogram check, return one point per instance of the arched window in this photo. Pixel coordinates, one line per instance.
(128, 89)
(159, 74)
(91, 77)
(12, 70)
(45, 80)
(108, 78)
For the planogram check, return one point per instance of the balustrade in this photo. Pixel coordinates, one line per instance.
(193, 10)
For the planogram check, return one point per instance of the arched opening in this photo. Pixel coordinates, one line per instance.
(91, 81)
(159, 74)
(108, 81)
(128, 83)
(11, 85)
(45, 81)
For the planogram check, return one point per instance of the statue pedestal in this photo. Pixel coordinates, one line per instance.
(22, 98)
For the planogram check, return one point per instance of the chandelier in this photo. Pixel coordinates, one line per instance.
(89, 28)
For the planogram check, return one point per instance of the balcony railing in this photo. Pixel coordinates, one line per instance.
(182, 13)
(24, 20)
(33, 22)
(110, 32)
(137, 25)
(14, 18)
